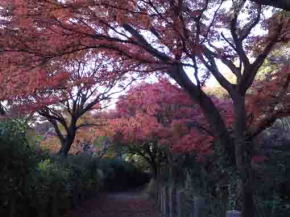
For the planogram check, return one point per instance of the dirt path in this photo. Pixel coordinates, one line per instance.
(125, 204)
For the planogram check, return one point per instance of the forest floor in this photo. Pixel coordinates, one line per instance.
(120, 204)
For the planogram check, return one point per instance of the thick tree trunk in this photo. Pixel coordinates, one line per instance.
(67, 143)
(65, 147)
(154, 169)
(243, 155)
(207, 106)
(242, 143)
(152, 161)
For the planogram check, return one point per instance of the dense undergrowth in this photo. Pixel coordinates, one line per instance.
(218, 185)
(37, 184)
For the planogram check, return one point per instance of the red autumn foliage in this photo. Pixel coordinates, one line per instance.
(159, 35)
(162, 112)
(269, 100)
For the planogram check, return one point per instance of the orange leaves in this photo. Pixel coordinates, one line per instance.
(161, 113)
(45, 33)
(51, 144)
(196, 142)
(137, 129)
(270, 98)
(19, 82)
(62, 14)
(273, 88)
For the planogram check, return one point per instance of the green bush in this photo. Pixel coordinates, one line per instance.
(121, 175)
(17, 159)
(217, 184)
(69, 180)
(34, 184)
(273, 191)
(85, 177)
(48, 184)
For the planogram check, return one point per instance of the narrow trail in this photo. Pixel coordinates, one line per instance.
(124, 204)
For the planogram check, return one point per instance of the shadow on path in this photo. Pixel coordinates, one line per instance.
(120, 204)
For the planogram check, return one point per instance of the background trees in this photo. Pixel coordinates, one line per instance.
(88, 89)
(87, 86)
(189, 41)
(156, 120)
(152, 118)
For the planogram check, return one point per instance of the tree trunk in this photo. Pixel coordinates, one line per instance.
(154, 168)
(207, 106)
(12, 206)
(242, 143)
(67, 143)
(243, 154)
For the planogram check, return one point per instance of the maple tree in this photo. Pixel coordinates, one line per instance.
(157, 120)
(87, 138)
(151, 120)
(87, 87)
(171, 37)
(64, 116)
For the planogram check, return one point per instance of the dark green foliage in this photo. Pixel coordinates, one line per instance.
(34, 184)
(199, 178)
(48, 185)
(85, 177)
(273, 193)
(121, 175)
(17, 159)
(218, 185)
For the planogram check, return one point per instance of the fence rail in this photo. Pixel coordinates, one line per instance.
(174, 202)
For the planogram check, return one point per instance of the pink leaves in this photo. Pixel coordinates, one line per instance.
(161, 112)
(269, 98)
(138, 129)
(196, 142)
(259, 159)
(164, 113)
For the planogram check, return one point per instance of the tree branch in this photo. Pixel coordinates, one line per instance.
(143, 43)
(252, 70)
(282, 4)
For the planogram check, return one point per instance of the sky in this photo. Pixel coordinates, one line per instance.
(211, 82)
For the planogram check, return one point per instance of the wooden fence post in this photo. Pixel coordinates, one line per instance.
(198, 207)
(163, 201)
(233, 213)
(172, 201)
(179, 203)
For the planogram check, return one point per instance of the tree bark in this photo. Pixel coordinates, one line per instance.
(242, 142)
(67, 142)
(154, 169)
(207, 106)
(243, 156)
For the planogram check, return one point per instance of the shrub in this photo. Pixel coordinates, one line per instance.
(16, 160)
(33, 183)
(273, 191)
(121, 175)
(69, 180)
(48, 185)
(85, 178)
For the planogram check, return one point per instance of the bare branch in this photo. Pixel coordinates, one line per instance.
(143, 43)
(211, 65)
(251, 72)
(282, 4)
